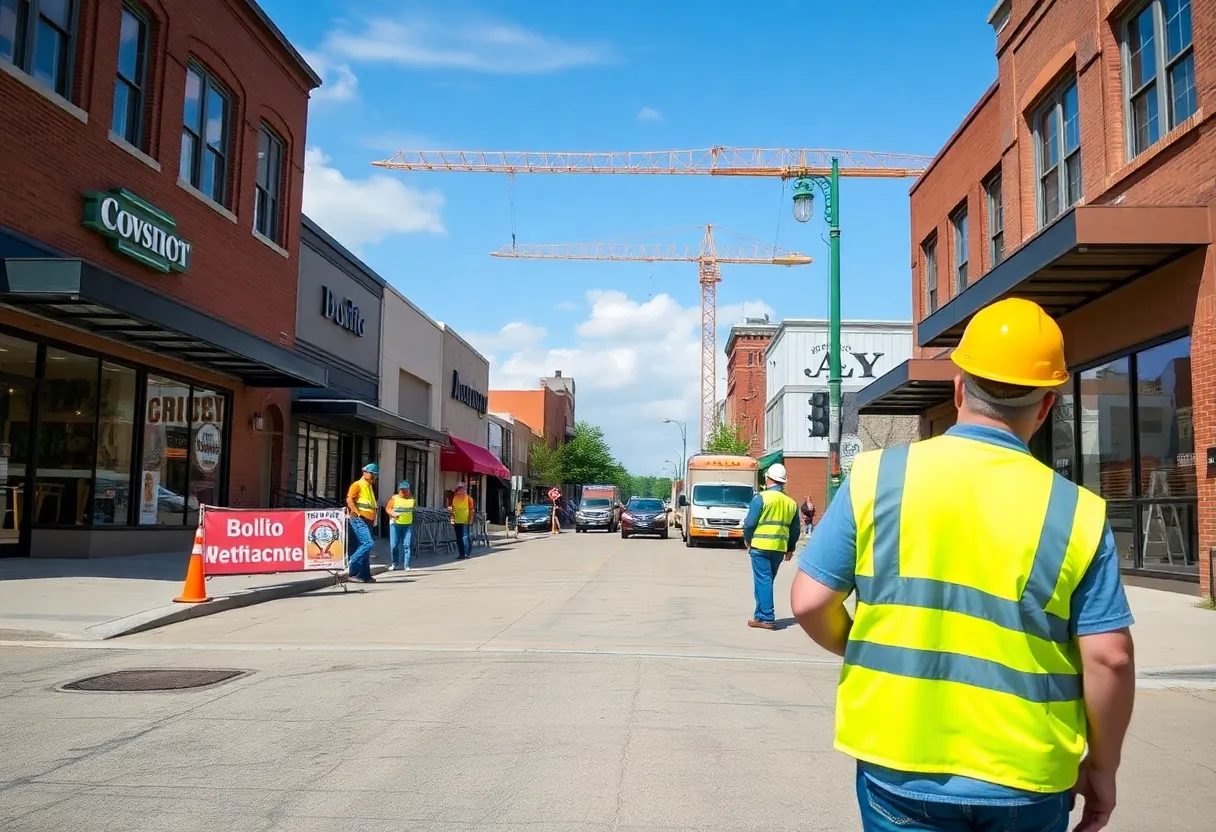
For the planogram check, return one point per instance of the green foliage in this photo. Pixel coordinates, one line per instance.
(646, 486)
(587, 458)
(727, 439)
(545, 464)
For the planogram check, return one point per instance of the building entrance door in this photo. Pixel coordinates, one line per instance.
(16, 408)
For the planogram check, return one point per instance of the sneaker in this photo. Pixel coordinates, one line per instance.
(392, 568)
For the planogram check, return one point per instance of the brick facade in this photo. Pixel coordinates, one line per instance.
(55, 148)
(745, 390)
(1041, 47)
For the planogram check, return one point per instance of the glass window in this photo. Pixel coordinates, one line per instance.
(416, 473)
(164, 480)
(18, 364)
(959, 221)
(207, 411)
(1063, 439)
(266, 189)
(205, 135)
(1158, 71)
(318, 463)
(37, 36)
(115, 444)
(67, 440)
(996, 220)
(1107, 447)
(128, 117)
(1057, 129)
(1163, 404)
(930, 249)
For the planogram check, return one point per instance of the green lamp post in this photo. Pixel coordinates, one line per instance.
(804, 202)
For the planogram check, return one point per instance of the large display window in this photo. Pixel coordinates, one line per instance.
(89, 442)
(1123, 429)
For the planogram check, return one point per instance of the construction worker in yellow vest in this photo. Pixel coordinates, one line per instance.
(400, 509)
(988, 676)
(770, 532)
(361, 514)
(461, 511)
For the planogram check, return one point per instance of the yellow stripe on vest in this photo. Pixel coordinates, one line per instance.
(773, 528)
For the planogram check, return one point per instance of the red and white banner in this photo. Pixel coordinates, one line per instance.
(255, 541)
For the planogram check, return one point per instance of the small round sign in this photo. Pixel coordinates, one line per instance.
(850, 447)
(207, 442)
(554, 494)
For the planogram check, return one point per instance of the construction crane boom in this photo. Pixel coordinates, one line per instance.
(709, 255)
(787, 163)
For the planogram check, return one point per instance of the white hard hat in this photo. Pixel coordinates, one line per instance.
(776, 472)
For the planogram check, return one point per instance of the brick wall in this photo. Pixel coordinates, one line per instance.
(745, 390)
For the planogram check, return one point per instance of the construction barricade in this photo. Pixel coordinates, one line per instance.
(237, 541)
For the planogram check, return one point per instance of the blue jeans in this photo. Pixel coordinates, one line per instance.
(462, 539)
(884, 811)
(400, 538)
(360, 565)
(764, 572)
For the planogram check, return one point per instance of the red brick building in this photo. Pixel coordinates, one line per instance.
(151, 167)
(1083, 179)
(745, 391)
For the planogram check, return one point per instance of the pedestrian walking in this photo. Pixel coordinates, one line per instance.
(990, 649)
(461, 512)
(400, 509)
(361, 514)
(770, 532)
(808, 515)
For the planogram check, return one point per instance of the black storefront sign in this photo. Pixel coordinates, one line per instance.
(467, 395)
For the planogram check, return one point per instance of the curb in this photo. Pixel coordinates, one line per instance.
(1205, 672)
(175, 613)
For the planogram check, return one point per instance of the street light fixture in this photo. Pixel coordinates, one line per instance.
(683, 426)
(804, 204)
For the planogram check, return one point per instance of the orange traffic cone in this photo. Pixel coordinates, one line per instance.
(195, 590)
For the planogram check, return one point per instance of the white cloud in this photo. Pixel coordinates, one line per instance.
(361, 211)
(636, 362)
(649, 114)
(515, 335)
(475, 45)
(338, 81)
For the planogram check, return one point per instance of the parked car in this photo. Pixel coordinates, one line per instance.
(535, 518)
(644, 515)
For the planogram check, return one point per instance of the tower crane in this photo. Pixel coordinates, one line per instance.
(708, 255)
(783, 163)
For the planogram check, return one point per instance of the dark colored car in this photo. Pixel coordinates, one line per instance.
(644, 516)
(535, 518)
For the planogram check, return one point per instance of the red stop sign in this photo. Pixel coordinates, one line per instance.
(554, 494)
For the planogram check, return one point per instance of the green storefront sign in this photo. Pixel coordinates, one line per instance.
(137, 229)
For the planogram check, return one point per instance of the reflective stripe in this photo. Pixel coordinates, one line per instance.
(888, 507)
(1053, 544)
(964, 670)
(777, 511)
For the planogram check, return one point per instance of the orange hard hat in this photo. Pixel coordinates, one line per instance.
(1013, 341)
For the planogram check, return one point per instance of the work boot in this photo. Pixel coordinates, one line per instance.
(761, 625)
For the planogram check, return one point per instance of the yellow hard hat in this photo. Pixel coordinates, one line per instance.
(1015, 342)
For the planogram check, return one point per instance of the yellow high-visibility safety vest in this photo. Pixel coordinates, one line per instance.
(773, 528)
(397, 503)
(366, 504)
(960, 660)
(461, 509)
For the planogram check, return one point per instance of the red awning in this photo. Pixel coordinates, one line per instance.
(467, 458)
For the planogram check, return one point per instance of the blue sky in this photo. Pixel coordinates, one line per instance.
(543, 75)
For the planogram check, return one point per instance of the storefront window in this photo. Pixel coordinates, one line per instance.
(1063, 440)
(1107, 448)
(115, 443)
(318, 463)
(411, 467)
(18, 363)
(206, 450)
(67, 441)
(164, 481)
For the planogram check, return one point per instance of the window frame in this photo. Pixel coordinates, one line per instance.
(1162, 64)
(958, 230)
(274, 226)
(932, 292)
(26, 42)
(994, 197)
(208, 83)
(140, 87)
(1052, 107)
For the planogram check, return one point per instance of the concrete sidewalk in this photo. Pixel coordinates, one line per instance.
(84, 599)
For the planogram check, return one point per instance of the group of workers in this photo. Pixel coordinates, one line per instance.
(362, 510)
(988, 676)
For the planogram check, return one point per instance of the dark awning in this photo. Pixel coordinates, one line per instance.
(769, 460)
(86, 296)
(388, 424)
(1088, 252)
(909, 389)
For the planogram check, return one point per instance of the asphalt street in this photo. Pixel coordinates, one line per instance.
(576, 683)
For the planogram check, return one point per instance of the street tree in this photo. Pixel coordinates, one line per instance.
(726, 439)
(586, 458)
(546, 463)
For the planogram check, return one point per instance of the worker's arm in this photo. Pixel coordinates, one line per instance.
(825, 576)
(752, 520)
(351, 495)
(795, 529)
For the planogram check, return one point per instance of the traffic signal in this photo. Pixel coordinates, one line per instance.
(819, 415)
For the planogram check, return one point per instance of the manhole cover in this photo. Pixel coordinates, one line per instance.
(141, 680)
